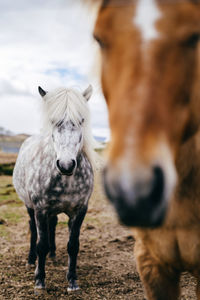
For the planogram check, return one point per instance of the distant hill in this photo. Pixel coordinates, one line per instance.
(9, 142)
(19, 138)
(4, 131)
(100, 139)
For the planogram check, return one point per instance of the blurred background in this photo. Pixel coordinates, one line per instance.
(46, 43)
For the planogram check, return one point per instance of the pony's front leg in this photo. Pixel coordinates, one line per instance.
(73, 248)
(32, 252)
(42, 250)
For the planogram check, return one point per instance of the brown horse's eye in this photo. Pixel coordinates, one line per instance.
(100, 42)
(192, 40)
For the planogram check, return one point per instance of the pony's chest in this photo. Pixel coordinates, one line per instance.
(70, 195)
(58, 193)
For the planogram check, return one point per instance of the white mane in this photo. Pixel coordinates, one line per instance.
(69, 104)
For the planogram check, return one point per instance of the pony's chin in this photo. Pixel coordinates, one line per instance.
(65, 173)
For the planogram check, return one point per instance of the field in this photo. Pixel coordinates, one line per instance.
(106, 266)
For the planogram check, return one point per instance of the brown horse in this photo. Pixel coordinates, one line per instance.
(151, 82)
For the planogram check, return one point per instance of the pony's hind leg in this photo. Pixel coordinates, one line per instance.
(73, 248)
(33, 239)
(52, 244)
(42, 250)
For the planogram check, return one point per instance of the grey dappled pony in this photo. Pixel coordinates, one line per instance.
(54, 174)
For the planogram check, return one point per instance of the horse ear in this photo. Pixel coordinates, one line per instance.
(88, 92)
(41, 91)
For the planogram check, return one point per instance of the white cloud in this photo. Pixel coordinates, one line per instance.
(47, 43)
(20, 114)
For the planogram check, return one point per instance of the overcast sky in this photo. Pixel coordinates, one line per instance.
(47, 43)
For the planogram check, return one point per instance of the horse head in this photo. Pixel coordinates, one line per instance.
(66, 110)
(149, 74)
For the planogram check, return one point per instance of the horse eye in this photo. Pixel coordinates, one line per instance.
(99, 41)
(60, 123)
(192, 40)
(82, 121)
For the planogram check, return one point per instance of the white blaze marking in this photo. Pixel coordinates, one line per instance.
(147, 13)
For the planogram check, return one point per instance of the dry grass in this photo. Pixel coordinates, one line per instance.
(7, 158)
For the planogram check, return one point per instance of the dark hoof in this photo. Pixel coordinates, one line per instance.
(72, 286)
(39, 287)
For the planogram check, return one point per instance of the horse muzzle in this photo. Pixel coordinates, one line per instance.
(66, 168)
(140, 200)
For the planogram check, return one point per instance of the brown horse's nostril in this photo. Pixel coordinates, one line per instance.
(143, 203)
(158, 185)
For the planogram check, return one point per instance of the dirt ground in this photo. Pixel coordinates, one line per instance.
(106, 265)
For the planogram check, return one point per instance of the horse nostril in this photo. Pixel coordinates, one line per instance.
(158, 184)
(73, 163)
(66, 168)
(58, 164)
(141, 202)
(71, 166)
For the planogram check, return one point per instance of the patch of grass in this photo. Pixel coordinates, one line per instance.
(5, 181)
(93, 220)
(7, 192)
(16, 203)
(9, 201)
(4, 233)
(6, 169)
(63, 223)
(10, 216)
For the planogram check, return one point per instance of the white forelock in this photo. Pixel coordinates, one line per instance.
(147, 13)
(68, 104)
